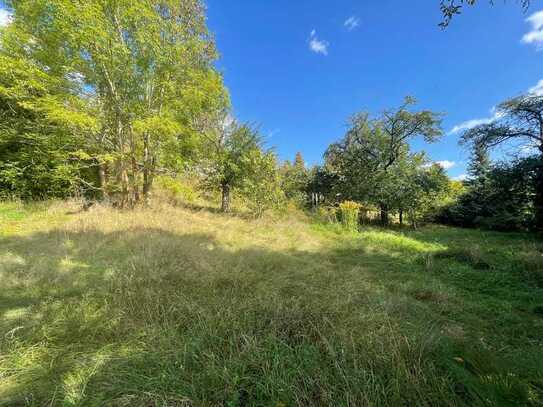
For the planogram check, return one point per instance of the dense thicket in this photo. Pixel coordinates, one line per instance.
(39, 133)
(517, 186)
(501, 198)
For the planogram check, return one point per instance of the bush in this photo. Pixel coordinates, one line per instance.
(327, 214)
(349, 212)
(175, 190)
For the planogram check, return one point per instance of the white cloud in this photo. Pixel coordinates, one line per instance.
(5, 17)
(535, 36)
(316, 45)
(446, 164)
(537, 90)
(351, 23)
(470, 124)
(461, 177)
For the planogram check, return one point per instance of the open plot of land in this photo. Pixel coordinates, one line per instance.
(172, 306)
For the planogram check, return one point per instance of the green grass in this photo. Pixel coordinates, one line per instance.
(177, 307)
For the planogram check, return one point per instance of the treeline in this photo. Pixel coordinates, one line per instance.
(372, 166)
(99, 98)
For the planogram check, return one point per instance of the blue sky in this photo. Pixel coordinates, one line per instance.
(301, 68)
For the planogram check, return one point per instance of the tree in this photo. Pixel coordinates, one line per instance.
(42, 132)
(262, 184)
(234, 156)
(502, 200)
(518, 119)
(295, 179)
(451, 8)
(414, 186)
(142, 62)
(363, 159)
(480, 163)
(322, 184)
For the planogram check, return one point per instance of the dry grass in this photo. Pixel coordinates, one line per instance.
(173, 307)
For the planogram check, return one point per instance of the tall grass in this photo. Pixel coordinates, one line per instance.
(172, 306)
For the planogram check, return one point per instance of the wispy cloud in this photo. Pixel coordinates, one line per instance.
(351, 23)
(316, 45)
(495, 114)
(535, 36)
(470, 124)
(537, 90)
(5, 17)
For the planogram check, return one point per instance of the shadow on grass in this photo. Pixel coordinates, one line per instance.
(148, 317)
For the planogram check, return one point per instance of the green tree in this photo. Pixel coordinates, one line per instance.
(235, 158)
(147, 65)
(502, 201)
(480, 163)
(365, 157)
(518, 119)
(42, 131)
(262, 184)
(295, 179)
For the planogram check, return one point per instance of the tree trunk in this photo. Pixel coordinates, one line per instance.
(538, 200)
(125, 191)
(102, 176)
(384, 215)
(147, 172)
(225, 207)
(401, 217)
(134, 180)
(413, 219)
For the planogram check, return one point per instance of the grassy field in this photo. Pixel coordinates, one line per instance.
(179, 307)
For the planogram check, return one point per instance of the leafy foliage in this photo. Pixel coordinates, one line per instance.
(349, 212)
(501, 199)
(144, 66)
(372, 163)
(236, 160)
(518, 119)
(41, 132)
(295, 179)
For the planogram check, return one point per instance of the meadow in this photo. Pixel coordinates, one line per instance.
(173, 306)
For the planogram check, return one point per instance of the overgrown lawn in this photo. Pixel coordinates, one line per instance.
(174, 307)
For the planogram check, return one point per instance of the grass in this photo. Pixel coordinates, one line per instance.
(179, 307)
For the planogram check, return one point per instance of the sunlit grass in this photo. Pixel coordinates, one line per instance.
(170, 306)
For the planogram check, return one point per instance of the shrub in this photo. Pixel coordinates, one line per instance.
(175, 190)
(349, 212)
(327, 214)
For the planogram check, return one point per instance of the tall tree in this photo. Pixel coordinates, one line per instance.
(480, 163)
(139, 59)
(519, 119)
